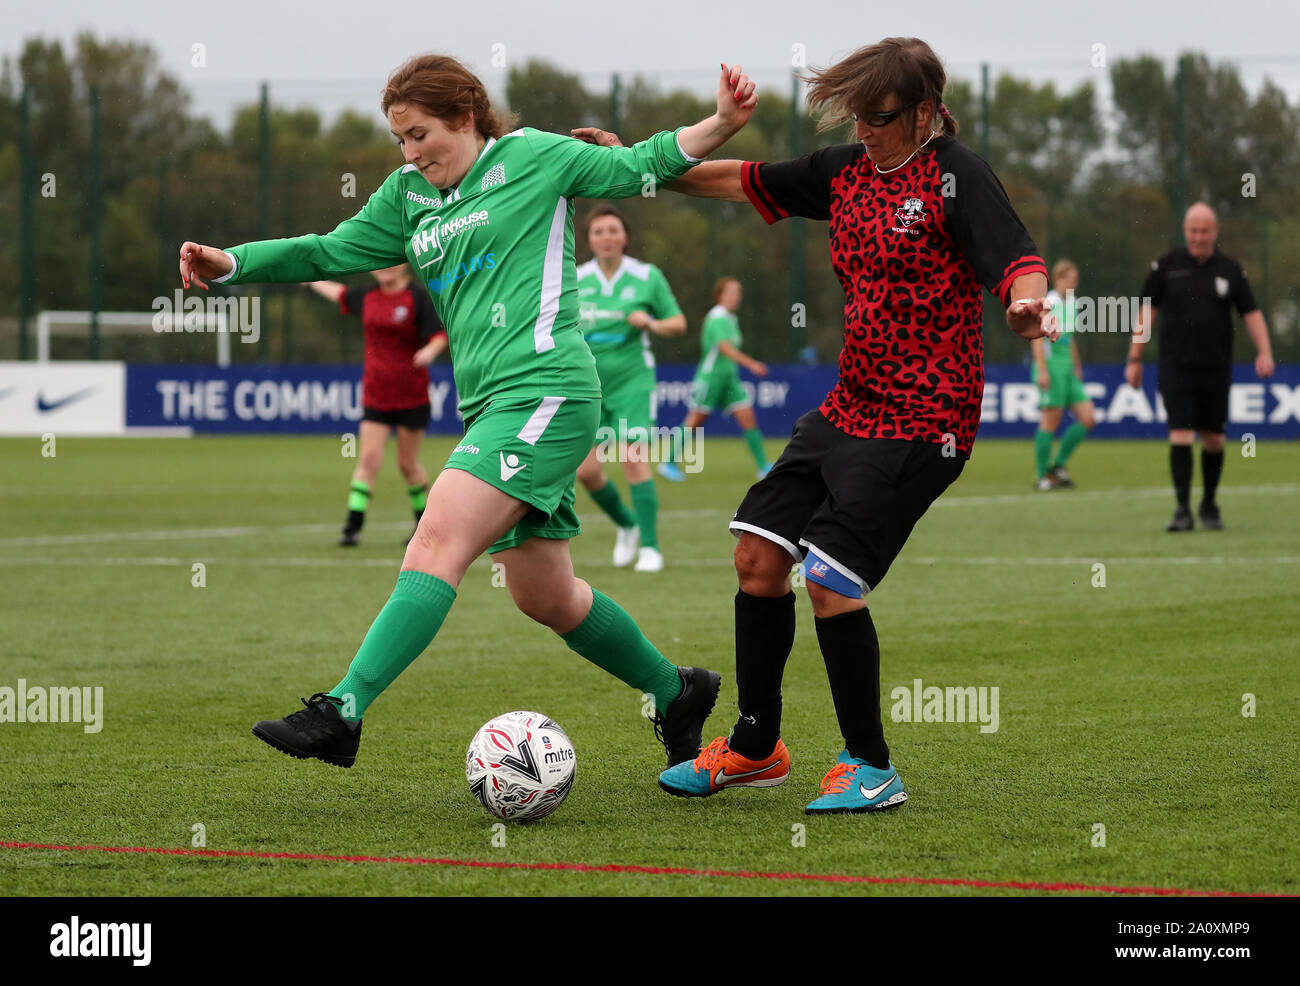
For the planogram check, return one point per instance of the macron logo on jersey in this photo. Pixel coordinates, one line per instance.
(434, 200)
(496, 175)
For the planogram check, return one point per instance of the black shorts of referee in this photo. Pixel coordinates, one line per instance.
(411, 417)
(1196, 397)
(848, 504)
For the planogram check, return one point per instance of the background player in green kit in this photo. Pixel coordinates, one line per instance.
(1058, 371)
(620, 301)
(717, 385)
(485, 218)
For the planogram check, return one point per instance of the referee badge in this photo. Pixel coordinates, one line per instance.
(1221, 287)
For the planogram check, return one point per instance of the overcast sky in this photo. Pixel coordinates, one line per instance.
(336, 53)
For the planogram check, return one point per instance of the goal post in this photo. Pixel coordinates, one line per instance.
(49, 323)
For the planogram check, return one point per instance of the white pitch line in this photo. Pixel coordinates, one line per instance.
(1112, 560)
(108, 537)
(202, 533)
(394, 563)
(1277, 489)
(280, 531)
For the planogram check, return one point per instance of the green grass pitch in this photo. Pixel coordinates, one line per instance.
(1120, 705)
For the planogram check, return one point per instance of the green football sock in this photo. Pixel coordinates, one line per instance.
(611, 640)
(359, 498)
(1069, 442)
(403, 629)
(754, 439)
(419, 495)
(608, 500)
(1042, 451)
(645, 500)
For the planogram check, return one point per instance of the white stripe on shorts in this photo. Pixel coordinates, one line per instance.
(737, 526)
(535, 425)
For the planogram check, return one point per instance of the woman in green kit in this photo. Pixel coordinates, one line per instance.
(621, 301)
(485, 218)
(1058, 372)
(717, 385)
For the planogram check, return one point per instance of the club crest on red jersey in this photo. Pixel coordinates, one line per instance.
(912, 211)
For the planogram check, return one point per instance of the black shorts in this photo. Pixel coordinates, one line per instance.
(1196, 399)
(852, 501)
(411, 417)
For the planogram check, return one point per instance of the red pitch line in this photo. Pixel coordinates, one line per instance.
(647, 870)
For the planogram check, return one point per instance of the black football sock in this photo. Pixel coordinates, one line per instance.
(764, 636)
(356, 518)
(1211, 470)
(852, 655)
(1180, 465)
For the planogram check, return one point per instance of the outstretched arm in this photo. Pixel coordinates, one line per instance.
(330, 290)
(199, 261)
(709, 180)
(736, 102)
(712, 180)
(759, 369)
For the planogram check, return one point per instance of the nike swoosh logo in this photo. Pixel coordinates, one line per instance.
(874, 792)
(43, 405)
(508, 472)
(722, 774)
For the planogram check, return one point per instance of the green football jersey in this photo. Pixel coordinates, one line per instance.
(496, 253)
(622, 351)
(1059, 356)
(720, 325)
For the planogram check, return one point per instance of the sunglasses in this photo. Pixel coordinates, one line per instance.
(883, 119)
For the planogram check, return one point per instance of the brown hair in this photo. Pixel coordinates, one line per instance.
(860, 83)
(443, 87)
(720, 287)
(605, 210)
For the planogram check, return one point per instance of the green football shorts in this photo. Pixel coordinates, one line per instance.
(531, 449)
(629, 413)
(713, 393)
(1064, 390)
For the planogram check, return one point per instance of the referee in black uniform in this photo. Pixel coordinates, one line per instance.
(1194, 288)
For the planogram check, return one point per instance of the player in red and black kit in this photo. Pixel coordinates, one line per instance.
(403, 336)
(919, 225)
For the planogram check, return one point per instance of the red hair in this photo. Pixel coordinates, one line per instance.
(443, 87)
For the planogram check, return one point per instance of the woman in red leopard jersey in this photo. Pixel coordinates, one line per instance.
(403, 336)
(919, 226)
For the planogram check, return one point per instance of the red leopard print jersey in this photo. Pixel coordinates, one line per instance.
(911, 249)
